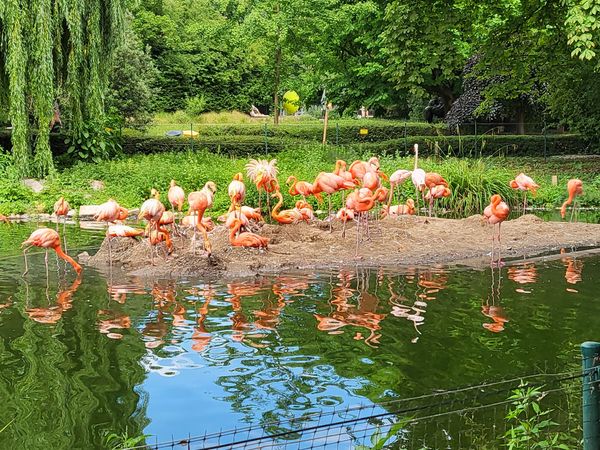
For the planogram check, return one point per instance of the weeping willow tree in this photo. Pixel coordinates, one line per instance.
(51, 49)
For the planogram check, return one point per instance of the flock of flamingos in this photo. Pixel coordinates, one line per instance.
(363, 179)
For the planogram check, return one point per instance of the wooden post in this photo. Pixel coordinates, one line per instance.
(327, 107)
(554, 180)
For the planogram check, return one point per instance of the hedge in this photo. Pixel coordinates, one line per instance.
(466, 146)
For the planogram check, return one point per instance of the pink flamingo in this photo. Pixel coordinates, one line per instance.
(237, 192)
(435, 192)
(524, 183)
(176, 196)
(574, 188)
(303, 188)
(110, 212)
(418, 177)
(397, 178)
(200, 201)
(496, 213)
(246, 239)
(47, 238)
(330, 183)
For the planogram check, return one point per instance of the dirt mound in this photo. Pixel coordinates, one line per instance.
(407, 240)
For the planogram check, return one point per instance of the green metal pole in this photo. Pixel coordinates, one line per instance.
(337, 134)
(192, 135)
(405, 148)
(590, 352)
(545, 143)
(266, 139)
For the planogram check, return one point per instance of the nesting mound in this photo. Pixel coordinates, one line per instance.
(408, 240)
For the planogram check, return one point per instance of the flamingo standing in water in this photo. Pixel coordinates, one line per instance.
(524, 183)
(199, 202)
(496, 213)
(61, 209)
(246, 239)
(574, 188)
(47, 238)
(418, 177)
(110, 212)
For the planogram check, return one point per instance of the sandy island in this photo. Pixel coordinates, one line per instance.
(406, 241)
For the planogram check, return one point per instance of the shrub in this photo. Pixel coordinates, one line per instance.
(194, 106)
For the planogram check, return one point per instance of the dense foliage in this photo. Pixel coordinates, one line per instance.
(515, 61)
(49, 50)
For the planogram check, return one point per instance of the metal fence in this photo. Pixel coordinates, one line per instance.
(484, 416)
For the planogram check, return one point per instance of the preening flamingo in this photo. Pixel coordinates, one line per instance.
(330, 183)
(496, 213)
(418, 177)
(524, 183)
(47, 238)
(123, 231)
(302, 188)
(263, 174)
(110, 212)
(200, 201)
(176, 196)
(246, 239)
(397, 178)
(237, 191)
(344, 215)
(152, 210)
(435, 192)
(306, 210)
(574, 188)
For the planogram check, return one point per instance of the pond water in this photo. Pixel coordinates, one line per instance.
(115, 354)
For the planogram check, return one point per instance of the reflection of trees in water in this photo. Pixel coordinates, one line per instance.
(63, 384)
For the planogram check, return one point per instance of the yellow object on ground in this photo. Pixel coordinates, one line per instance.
(189, 133)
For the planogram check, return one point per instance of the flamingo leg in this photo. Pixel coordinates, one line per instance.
(524, 201)
(431, 206)
(65, 232)
(25, 257)
(46, 264)
(493, 245)
(499, 247)
(329, 214)
(390, 198)
(357, 233)
(344, 228)
(417, 209)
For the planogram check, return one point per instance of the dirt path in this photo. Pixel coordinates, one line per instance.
(407, 241)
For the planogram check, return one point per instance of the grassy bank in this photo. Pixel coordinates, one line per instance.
(130, 179)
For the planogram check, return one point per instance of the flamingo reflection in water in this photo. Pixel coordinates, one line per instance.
(201, 337)
(523, 274)
(240, 324)
(491, 308)
(113, 321)
(52, 314)
(364, 314)
(574, 267)
(429, 282)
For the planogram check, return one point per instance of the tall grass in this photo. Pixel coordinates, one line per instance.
(129, 180)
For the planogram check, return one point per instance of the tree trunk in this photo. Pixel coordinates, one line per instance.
(520, 119)
(277, 77)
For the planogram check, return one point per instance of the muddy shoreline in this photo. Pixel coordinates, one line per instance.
(402, 242)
